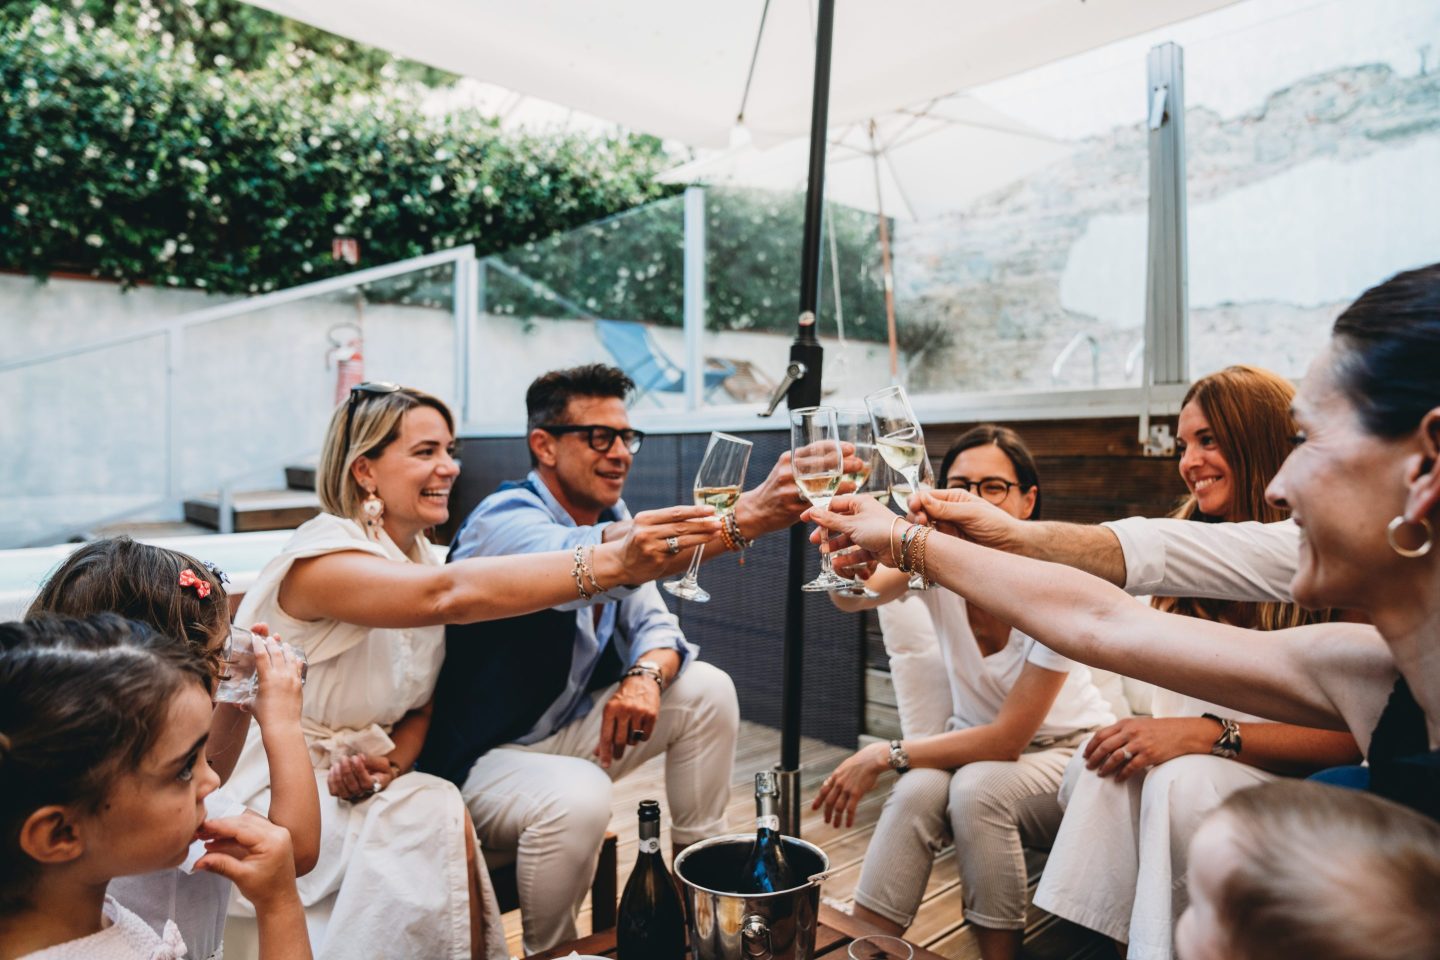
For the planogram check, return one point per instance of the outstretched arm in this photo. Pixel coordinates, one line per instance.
(1326, 675)
(370, 591)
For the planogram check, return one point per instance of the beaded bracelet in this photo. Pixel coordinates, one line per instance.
(595, 588)
(578, 572)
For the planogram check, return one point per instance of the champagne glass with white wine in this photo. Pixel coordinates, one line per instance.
(857, 430)
(819, 466)
(901, 442)
(717, 484)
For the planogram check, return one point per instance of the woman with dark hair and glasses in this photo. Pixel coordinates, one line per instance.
(1018, 713)
(360, 590)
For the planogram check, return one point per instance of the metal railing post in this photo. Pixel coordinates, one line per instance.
(1166, 282)
(174, 356)
(466, 302)
(694, 312)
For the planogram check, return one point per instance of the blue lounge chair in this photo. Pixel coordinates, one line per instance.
(635, 351)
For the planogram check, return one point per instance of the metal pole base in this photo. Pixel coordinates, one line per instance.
(789, 783)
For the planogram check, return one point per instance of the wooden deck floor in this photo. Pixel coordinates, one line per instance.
(939, 925)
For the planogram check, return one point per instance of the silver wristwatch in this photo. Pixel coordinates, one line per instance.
(899, 759)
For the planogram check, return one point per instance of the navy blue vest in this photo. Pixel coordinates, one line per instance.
(1403, 768)
(499, 678)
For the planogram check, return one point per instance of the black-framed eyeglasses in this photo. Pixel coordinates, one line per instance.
(994, 489)
(359, 392)
(601, 438)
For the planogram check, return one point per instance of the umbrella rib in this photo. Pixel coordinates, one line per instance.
(754, 58)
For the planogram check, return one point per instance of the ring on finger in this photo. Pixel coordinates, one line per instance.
(672, 544)
(1126, 754)
(636, 736)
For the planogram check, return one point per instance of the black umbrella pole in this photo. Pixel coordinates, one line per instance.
(804, 393)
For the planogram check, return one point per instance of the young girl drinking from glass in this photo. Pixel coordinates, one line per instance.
(185, 599)
(103, 730)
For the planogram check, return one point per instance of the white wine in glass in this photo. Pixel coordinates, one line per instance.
(818, 462)
(717, 484)
(902, 444)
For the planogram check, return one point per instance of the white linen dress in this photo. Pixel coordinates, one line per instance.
(390, 880)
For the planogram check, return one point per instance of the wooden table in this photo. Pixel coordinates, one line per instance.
(836, 931)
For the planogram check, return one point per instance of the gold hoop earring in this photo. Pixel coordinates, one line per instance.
(1419, 551)
(374, 510)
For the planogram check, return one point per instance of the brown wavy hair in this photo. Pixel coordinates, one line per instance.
(140, 582)
(1249, 413)
(82, 700)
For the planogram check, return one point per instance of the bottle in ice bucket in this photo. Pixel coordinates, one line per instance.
(652, 924)
(766, 869)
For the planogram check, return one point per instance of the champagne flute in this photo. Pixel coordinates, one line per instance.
(819, 466)
(902, 443)
(717, 484)
(857, 430)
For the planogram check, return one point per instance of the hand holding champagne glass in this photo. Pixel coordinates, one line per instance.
(902, 443)
(717, 484)
(857, 430)
(819, 464)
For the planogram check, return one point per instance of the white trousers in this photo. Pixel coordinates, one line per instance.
(548, 804)
(1118, 864)
(993, 809)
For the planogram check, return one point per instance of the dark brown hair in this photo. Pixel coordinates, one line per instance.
(549, 394)
(1248, 409)
(140, 582)
(1010, 444)
(1329, 874)
(81, 701)
(1387, 358)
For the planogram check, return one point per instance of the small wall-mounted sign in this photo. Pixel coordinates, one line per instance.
(346, 249)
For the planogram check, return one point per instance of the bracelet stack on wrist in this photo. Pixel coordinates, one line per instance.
(647, 668)
(583, 570)
(731, 536)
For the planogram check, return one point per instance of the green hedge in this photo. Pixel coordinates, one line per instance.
(125, 158)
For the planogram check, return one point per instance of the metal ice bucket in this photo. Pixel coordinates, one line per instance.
(725, 925)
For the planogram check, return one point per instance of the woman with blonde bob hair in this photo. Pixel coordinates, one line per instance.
(360, 590)
(1296, 869)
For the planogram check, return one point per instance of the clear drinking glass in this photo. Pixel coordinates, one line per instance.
(819, 465)
(717, 483)
(880, 947)
(242, 681)
(856, 429)
(902, 443)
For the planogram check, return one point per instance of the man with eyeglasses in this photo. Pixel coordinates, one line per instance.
(535, 716)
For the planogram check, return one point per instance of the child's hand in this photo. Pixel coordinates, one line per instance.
(252, 853)
(278, 697)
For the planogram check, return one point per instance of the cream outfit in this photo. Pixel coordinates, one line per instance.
(124, 937)
(391, 878)
(1169, 557)
(1118, 864)
(992, 809)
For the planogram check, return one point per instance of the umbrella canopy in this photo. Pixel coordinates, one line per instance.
(678, 70)
(911, 163)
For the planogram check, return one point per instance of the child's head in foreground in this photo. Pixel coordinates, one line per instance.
(165, 589)
(103, 723)
(1299, 869)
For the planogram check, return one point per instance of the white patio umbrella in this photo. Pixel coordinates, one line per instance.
(678, 68)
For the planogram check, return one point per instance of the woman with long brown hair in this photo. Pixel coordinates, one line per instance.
(1137, 791)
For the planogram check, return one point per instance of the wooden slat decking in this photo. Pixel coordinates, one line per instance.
(939, 924)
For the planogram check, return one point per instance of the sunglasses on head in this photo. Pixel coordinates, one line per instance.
(359, 392)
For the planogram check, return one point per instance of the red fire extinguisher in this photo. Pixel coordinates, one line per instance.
(346, 355)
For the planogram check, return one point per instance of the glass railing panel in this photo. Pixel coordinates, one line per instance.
(83, 439)
(609, 292)
(1314, 137)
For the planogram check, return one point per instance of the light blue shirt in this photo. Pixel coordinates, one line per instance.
(516, 521)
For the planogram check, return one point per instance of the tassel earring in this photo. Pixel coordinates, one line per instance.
(374, 510)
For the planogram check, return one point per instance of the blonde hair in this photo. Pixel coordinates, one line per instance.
(1329, 874)
(1248, 409)
(374, 425)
